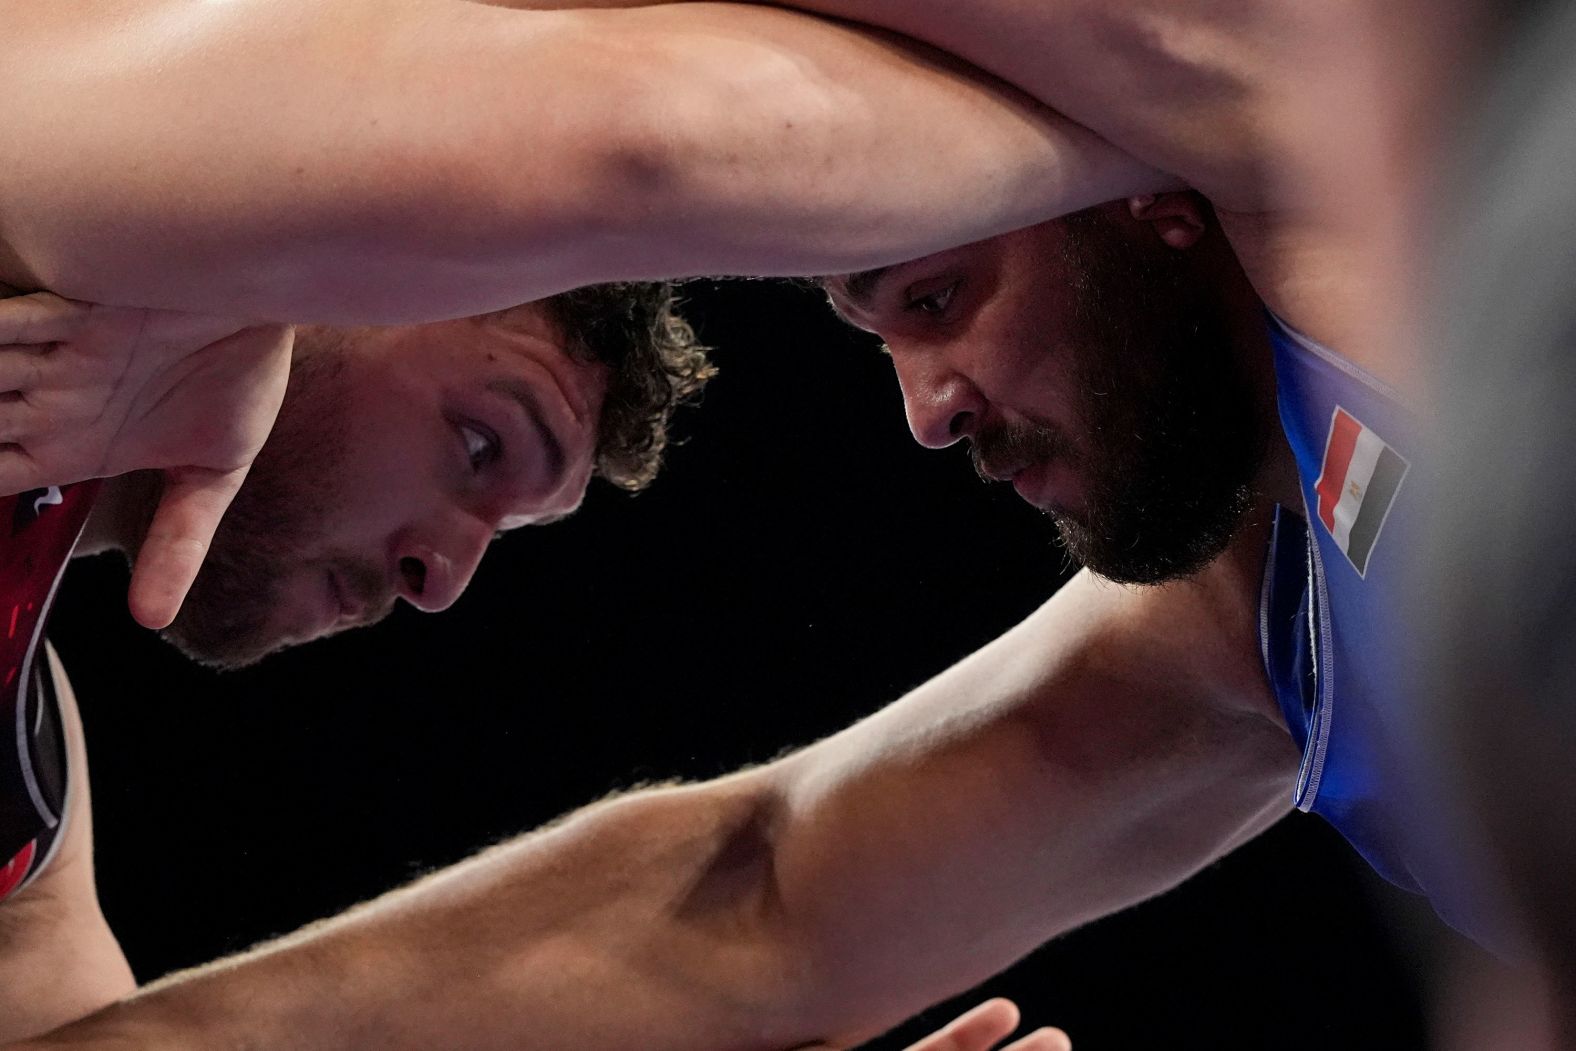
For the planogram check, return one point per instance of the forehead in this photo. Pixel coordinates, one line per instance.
(854, 296)
(860, 287)
(876, 300)
(868, 298)
(538, 321)
(489, 338)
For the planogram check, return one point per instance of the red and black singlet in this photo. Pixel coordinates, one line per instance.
(38, 531)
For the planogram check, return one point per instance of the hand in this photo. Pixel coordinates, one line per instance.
(991, 1021)
(91, 392)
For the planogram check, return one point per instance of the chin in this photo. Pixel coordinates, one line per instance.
(223, 649)
(1135, 549)
(1051, 487)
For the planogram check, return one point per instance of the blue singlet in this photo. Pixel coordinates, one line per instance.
(1328, 626)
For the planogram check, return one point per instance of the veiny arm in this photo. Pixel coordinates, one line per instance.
(1109, 747)
(391, 160)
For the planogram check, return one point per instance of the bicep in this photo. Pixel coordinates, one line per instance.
(782, 144)
(382, 162)
(1071, 769)
(294, 160)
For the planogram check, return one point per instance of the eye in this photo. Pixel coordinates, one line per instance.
(481, 445)
(934, 303)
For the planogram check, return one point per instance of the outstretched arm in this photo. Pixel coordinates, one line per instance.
(58, 958)
(1109, 747)
(391, 160)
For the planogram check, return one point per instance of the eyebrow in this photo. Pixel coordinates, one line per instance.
(860, 288)
(523, 396)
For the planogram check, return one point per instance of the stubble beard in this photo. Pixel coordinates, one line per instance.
(278, 516)
(1170, 442)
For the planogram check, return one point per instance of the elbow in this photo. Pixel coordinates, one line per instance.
(749, 940)
(788, 980)
(768, 966)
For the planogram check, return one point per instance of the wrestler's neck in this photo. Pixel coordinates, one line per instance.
(1324, 285)
(121, 514)
(1276, 479)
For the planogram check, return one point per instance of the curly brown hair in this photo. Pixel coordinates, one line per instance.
(656, 364)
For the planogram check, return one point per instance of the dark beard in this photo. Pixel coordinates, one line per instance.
(1171, 439)
(278, 514)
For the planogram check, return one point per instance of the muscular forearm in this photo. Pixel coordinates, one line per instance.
(796, 146)
(57, 963)
(1083, 762)
(378, 161)
(640, 923)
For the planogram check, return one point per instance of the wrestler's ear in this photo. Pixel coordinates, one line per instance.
(1178, 218)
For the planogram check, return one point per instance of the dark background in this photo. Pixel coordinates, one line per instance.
(800, 563)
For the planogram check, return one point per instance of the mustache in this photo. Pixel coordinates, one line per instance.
(367, 587)
(999, 451)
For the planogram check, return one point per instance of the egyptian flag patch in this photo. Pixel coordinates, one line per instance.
(1357, 486)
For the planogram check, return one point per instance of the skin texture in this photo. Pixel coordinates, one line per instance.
(59, 957)
(982, 1027)
(772, 151)
(420, 195)
(1307, 125)
(785, 188)
(431, 202)
(1109, 747)
(726, 869)
(96, 392)
(1109, 366)
(431, 440)
(398, 455)
(676, 140)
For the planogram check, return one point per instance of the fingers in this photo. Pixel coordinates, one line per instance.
(15, 417)
(189, 512)
(990, 1022)
(977, 1030)
(19, 472)
(22, 365)
(1042, 1040)
(40, 318)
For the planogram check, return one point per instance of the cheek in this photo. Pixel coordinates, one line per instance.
(1025, 357)
(366, 467)
(1040, 383)
(392, 472)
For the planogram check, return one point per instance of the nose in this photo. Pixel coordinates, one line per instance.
(434, 565)
(943, 405)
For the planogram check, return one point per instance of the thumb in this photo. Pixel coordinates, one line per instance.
(193, 502)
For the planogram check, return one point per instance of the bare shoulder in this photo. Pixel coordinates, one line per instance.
(1191, 87)
(279, 121)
